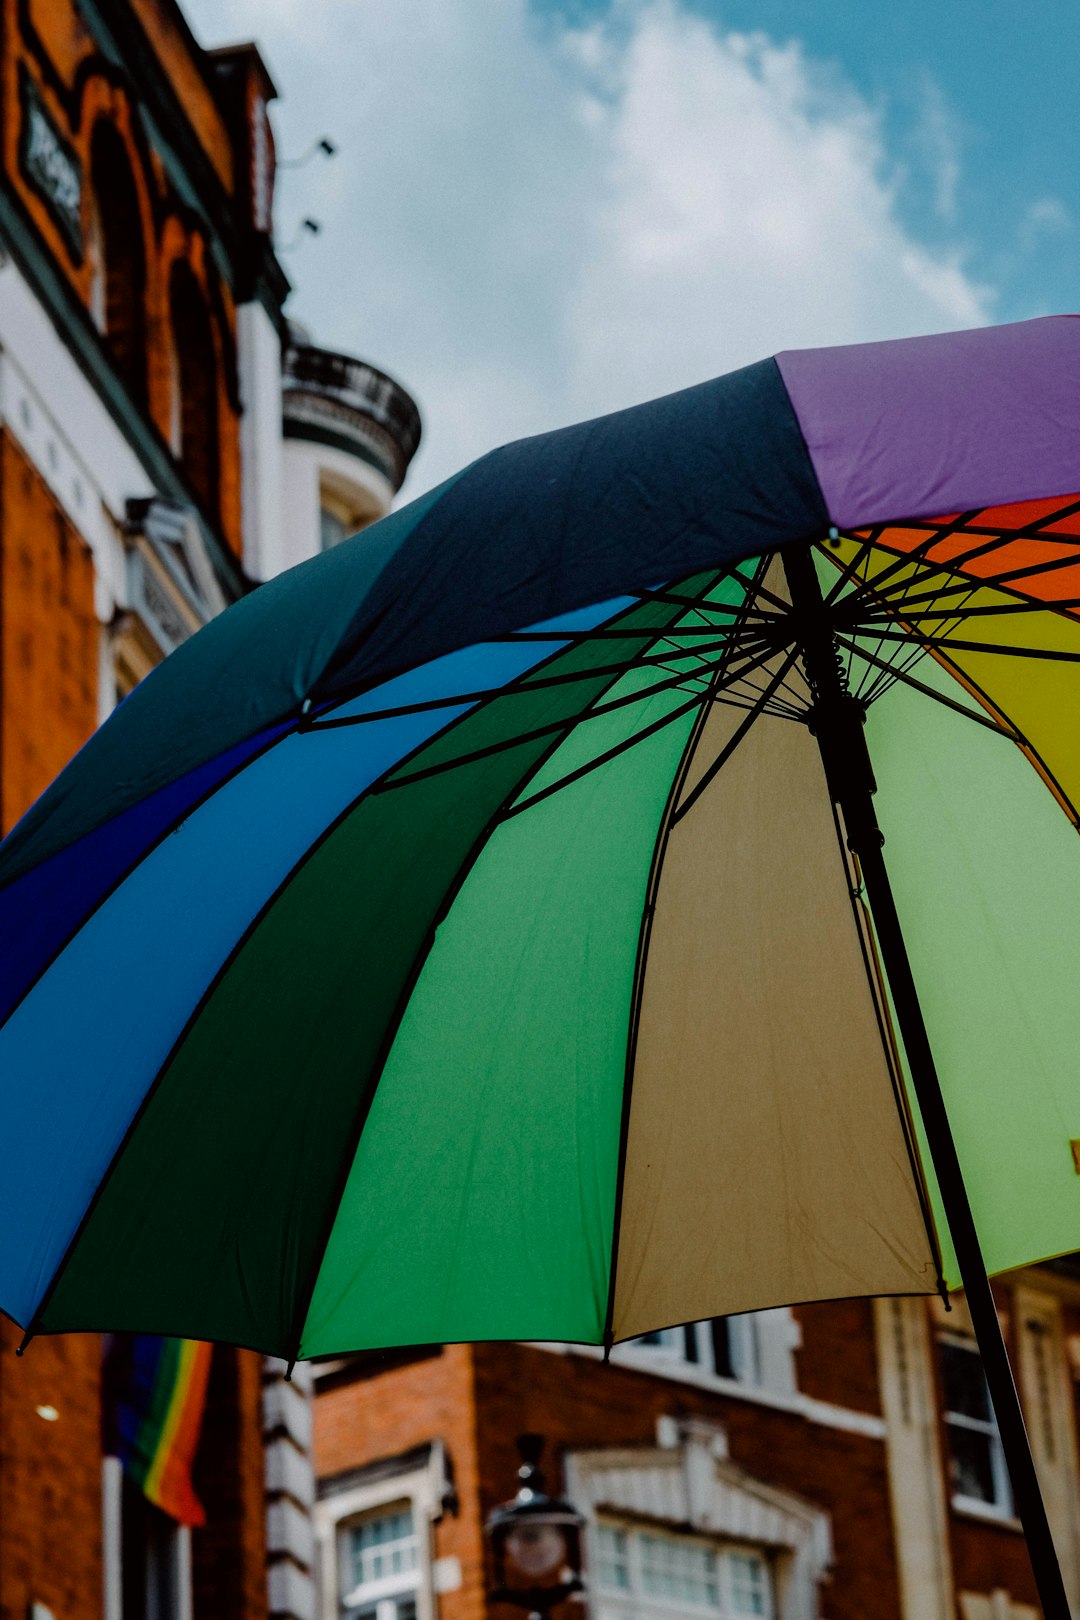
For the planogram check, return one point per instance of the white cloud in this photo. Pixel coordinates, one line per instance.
(529, 224)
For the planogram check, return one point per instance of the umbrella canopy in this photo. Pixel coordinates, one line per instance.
(459, 937)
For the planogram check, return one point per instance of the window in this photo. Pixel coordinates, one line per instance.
(727, 1346)
(194, 371)
(333, 528)
(976, 1460)
(345, 508)
(147, 1556)
(649, 1575)
(118, 259)
(380, 1557)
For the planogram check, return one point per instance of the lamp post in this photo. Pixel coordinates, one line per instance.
(535, 1541)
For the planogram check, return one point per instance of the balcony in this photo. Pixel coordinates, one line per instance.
(335, 400)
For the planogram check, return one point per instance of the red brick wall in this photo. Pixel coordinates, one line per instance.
(479, 1400)
(50, 1472)
(836, 1361)
(229, 1552)
(426, 1399)
(50, 1477)
(49, 40)
(985, 1555)
(578, 1402)
(48, 635)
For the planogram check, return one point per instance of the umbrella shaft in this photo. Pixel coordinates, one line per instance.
(837, 722)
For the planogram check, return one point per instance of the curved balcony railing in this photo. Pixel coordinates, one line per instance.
(351, 404)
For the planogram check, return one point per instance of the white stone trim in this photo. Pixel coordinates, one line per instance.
(112, 1480)
(695, 1484)
(58, 418)
(258, 361)
(1047, 1396)
(287, 1421)
(423, 1488)
(845, 1418)
(304, 465)
(916, 1466)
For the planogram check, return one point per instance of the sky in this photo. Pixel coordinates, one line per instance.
(541, 210)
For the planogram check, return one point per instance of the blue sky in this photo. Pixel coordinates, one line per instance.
(542, 209)
(995, 82)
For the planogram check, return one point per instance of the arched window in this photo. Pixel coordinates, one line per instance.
(194, 411)
(118, 288)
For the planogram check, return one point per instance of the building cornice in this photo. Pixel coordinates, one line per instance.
(245, 258)
(69, 317)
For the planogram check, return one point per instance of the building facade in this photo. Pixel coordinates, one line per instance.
(830, 1462)
(166, 441)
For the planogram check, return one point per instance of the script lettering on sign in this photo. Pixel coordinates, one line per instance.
(50, 164)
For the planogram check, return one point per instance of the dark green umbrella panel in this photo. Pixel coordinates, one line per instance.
(458, 939)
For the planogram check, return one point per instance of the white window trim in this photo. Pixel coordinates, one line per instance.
(635, 1601)
(1002, 1510)
(421, 1489)
(403, 1584)
(748, 1331)
(849, 1420)
(112, 1498)
(688, 1482)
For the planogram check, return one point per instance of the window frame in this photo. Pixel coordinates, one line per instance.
(384, 1588)
(635, 1602)
(421, 1488)
(667, 1351)
(1003, 1506)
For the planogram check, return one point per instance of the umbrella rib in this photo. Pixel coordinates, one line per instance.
(1026, 746)
(937, 533)
(521, 687)
(306, 1295)
(710, 695)
(1000, 581)
(232, 955)
(272, 742)
(863, 919)
(939, 697)
(700, 699)
(1004, 610)
(948, 642)
(733, 741)
(557, 726)
(160, 838)
(1026, 531)
(569, 638)
(849, 571)
(638, 984)
(996, 539)
(1008, 729)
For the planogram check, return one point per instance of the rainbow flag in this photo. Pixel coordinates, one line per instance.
(155, 1396)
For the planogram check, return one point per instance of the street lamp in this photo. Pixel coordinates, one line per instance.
(535, 1541)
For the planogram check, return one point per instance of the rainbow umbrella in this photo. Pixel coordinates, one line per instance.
(484, 930)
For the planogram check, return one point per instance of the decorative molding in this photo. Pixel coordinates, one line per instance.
(694, 1485)
(845, 1418)
(287, 1412)
(82, 345)
(423, 1477)
(915, 1465)
(1047, 1396)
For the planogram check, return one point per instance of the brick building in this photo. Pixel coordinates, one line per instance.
(838, 1461)
(166, 440)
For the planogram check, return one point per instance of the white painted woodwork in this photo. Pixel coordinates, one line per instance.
(915, 1463)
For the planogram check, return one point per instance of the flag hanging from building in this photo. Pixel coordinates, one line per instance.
(156, 1398)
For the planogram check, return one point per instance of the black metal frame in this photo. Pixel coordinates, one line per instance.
(837, 722)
